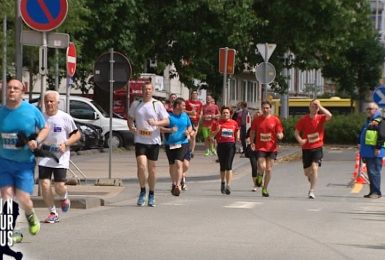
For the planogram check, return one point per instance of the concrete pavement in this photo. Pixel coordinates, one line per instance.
(94, 165)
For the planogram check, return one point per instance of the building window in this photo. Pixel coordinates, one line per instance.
(233, 89)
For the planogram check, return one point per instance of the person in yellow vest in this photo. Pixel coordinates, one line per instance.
(371, 145)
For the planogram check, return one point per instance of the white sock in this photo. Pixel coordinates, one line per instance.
(65, 196)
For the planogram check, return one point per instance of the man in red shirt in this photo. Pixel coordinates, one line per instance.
(266, 130)
(194, 110)
(309, 132)
(210, 114)
(168, 105)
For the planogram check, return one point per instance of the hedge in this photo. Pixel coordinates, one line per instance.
(341, 129)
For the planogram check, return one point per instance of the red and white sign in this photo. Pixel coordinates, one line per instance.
(71, 59)
(230, 60)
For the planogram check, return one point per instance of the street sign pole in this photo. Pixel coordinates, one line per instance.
(111, 108)
(224, 94)
(265, 73)
(68, 91)
(4, 80)
(43, 69)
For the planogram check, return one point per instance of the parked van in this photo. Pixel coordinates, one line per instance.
(86, 110)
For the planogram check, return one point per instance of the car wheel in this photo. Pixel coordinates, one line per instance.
(116, 140)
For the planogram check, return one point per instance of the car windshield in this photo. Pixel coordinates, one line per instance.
(100, 109)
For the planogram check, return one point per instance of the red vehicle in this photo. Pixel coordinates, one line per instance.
(122, 99)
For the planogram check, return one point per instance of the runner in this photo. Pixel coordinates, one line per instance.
(226, 133)
(177, 143)
(148, 116)
(309, 132)
(210, 114)
(169, 103)
(266, 130)
(17, 160)
(62, 134)
(194, 110)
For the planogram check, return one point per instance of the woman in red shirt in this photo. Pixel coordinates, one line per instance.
(226, 133)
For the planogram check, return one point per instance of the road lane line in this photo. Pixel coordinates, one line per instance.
(243, 205)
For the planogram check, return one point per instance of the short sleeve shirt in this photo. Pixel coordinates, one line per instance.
(227, 130)
(181, 122)
(266, 130)
(312, 129)
(194, 105)
(26, 119)
(141, 112)
(212, 110)
(61, 125)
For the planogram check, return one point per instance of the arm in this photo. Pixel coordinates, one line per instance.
(163, 122)
(381, 137)
(252, 139)
(130, 124)
(41, 136)
(324, 110)
(299, 139)
(73, 138)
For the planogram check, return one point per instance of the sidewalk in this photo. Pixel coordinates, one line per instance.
(95, 165)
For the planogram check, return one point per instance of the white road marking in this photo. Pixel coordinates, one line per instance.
(314, 210)
(243, 205)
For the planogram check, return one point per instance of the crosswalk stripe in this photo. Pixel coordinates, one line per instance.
(243, 205)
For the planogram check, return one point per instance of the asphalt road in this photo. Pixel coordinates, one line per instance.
(204, 224)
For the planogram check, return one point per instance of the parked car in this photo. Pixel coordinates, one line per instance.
(91, 137)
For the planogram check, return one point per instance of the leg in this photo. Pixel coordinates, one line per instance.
(313, 175)
(142, 164)
(151, 174)
(374, 166)
(268, 172)
(47, 192)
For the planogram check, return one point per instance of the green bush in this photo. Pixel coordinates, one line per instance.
(341, 129)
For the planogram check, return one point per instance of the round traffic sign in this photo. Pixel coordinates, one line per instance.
(121, 71)
(43, 15)
(265, 73)
(71, 59)
(379, 96)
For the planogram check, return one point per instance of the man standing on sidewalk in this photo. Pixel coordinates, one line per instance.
(145, 118)
(371, 144)
(62, 134)
(17, 161)
(309, 132)
(194, 110)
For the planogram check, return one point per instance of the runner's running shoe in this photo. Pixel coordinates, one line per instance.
(151, 200)
(228, 190)
(176, 191)
(65, 205)
(183, 184)
(311, 195)
(223, 188)
(141, 198)
(207, 153)
(173, 189)
(17, 236)
(258, 180)
(254, 189)
(33, 223)
(52, 218)
(265, 193)
(213, 152)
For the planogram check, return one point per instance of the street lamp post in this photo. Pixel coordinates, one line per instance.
(288, 61)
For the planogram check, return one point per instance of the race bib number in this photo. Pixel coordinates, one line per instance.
(313, 138)
(265, 137)
(145, 133)
(175, 146)
(9, 141)
(227, 132)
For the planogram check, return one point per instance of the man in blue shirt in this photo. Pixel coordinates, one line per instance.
(177, 137)
(19, 118)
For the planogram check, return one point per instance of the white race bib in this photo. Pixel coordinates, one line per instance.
(9, 141)
(227, 132)
(265, 137)
(175, 146)
(313, 138)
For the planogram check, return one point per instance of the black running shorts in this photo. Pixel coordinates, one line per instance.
(59, 174)
(151, 151)
(312, 155)
(179, 154)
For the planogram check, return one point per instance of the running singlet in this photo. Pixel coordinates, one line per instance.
(227, 132)
(266, 130)
(142, 112)
(181, 122)
(194, 105)
(26, 119)
(212, 110)
(312, 129)
(61, 125)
